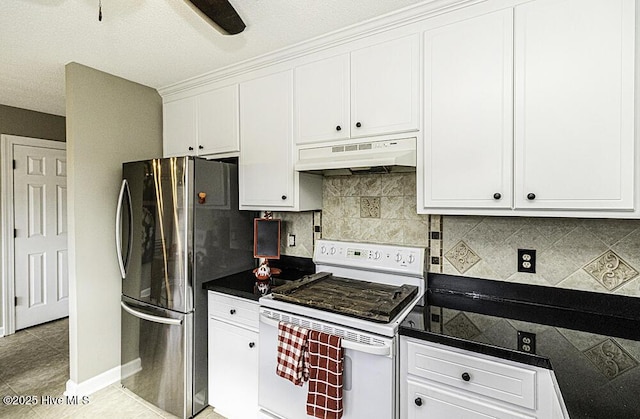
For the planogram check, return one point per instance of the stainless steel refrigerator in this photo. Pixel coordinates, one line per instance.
(178, 226)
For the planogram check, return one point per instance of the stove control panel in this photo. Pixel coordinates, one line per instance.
(391, 258)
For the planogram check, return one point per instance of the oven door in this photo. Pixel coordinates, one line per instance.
(369, 372)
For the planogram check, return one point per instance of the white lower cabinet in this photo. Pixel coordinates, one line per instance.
(233, 356)
(441, 382)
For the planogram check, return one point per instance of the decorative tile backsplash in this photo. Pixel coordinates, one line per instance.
(374, 208)
(601, 255)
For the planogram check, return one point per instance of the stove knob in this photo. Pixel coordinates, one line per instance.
(412, 258)
(377, 255)
(398, 257)
(323, 249)
(333, 250)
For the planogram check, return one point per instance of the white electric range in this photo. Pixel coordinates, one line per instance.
(370, 364)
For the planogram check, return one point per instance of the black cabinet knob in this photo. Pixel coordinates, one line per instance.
(190, 148)
(252, 344)
(531, 196)
(358, 124)
(232, 311)
(466, 376)
(338, 128)
(418, 401)
(497, 195)
(200, 147)
(284, 197)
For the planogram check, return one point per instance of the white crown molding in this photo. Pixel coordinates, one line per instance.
(393, 20)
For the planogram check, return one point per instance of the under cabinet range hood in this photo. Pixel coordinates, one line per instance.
(367, 157)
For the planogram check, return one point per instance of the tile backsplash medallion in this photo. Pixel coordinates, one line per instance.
(601, 255)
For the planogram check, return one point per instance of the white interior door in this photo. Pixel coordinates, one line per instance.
(40, 222)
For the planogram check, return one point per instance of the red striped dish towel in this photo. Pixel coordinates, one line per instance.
(324, 399)
(292, 348)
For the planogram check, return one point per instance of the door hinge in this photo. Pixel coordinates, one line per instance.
(15, 302)
(14, 165)
(15, 233)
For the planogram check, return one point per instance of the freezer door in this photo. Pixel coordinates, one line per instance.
(156, 355)
(161, 232)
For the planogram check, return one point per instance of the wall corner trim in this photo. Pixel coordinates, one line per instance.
(94, 384)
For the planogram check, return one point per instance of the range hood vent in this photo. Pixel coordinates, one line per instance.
(368, 157)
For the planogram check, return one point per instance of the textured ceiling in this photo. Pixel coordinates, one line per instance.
(152, 42)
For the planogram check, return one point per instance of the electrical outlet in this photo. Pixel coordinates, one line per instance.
(291, 240)
(527, 261)
(527, 342)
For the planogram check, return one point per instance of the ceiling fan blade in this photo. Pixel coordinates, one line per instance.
(222, 13)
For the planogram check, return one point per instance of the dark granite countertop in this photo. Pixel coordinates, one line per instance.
(590, 340)
(242, 284)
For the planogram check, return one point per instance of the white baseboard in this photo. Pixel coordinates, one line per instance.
(94, 384)
(130, 368)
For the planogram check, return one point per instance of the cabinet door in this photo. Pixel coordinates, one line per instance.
(266, 173)
(384, 88)
(179, 127)
(468, 129)
(426, 401)
(322, 100)
(574, 122)
(218, 121)
(233, 370)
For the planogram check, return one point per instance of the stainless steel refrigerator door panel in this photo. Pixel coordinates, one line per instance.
(161, 228)
(157, 356)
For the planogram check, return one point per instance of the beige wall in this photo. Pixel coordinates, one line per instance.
(16, 121)
(109, 121)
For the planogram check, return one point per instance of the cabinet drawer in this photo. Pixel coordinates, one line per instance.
(233, 310)
(504, 382)
(426, 401)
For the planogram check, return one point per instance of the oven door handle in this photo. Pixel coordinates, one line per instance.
(382, 350)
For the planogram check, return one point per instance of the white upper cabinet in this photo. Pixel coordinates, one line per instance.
(218, 121)
(203, 124)
(574, 104)
(267, 179)
(385, 88)
(179, 127)
(370, 91)
(322, 100)
(530, 111)
(468, 129)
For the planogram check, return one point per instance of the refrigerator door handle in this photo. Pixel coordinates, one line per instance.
(149, 317)
(123, 262)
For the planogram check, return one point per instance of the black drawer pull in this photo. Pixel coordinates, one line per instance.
(466, 376)
(232, 311)
(252, 344)
(531, 196)
(418, 401)
(497, 196)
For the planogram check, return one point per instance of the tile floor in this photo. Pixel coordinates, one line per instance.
(35, 362)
